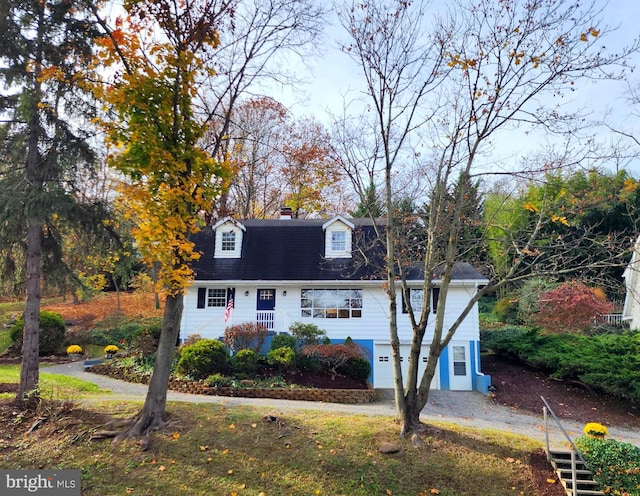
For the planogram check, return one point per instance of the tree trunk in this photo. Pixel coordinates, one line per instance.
(154, 413)
(29, 372)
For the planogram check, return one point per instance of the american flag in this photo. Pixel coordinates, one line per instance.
(227, 312)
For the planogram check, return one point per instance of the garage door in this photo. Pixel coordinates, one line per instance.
(383, 365)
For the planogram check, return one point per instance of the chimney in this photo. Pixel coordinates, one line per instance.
(286, 213)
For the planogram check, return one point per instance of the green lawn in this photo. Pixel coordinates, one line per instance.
(52, 385)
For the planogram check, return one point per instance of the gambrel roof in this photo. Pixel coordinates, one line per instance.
(294, 250)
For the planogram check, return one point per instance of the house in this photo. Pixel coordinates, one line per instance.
(279, 271)
(631, 309)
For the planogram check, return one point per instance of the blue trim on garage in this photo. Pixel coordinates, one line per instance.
(480, 382)
(445, 384)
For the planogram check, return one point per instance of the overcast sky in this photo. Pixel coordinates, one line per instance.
(335, 76)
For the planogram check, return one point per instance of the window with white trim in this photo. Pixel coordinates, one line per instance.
(338, 241)
(331, 303)
(228, 241)
(217, 297)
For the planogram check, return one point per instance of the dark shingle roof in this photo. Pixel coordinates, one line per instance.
(281, 250)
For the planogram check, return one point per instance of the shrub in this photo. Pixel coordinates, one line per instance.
(506, 309)
(306, 363)
(51, 336)
(307, 333)
(587, 359)
(357, 368)
(615, 465)
(245, 362)
(499, 340)
(218, 380)
(571, 307)
(202, 358)
(246, 336)
(284, 341)
(146, 341)
(529, 295)
(281, 357)
(332, 356)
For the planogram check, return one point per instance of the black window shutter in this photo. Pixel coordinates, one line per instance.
(435, 296)
(202, 297)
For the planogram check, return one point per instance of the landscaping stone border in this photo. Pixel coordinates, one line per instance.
(193, 387)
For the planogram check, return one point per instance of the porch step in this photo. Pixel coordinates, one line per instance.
(585, 485)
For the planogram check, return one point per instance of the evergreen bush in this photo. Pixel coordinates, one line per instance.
(51, 337)
(357, 368)
(202, 358)
(245, 362)
(282, 358)
(284, 341)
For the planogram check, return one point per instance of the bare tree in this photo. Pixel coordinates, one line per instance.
(257, 46)
(439, 95)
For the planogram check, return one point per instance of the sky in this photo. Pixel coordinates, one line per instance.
(335, 79)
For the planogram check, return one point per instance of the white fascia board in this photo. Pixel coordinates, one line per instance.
(338, 218)
(229, 220)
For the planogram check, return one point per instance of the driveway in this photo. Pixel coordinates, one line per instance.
(466, 408)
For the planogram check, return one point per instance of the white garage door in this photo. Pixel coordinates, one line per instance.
(383, 365)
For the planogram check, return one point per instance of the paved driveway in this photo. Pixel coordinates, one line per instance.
(459, 407)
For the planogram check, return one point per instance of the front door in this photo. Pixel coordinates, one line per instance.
(265, 307)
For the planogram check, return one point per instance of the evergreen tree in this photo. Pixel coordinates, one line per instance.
(44, 46)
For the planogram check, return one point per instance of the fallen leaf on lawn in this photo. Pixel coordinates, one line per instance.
(129, 490)
(176, 435)
(230, 471)
(510, 460)
(434, 491)
(162, 468)
(262, 494)
(254, 425)
(551, 481)
(232, 426)
(204, 448)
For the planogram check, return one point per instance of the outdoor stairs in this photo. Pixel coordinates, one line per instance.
(585, 485)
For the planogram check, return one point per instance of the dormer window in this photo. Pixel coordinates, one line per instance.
(338, 237)
(339, 241)
(229, 235)
(228, 241)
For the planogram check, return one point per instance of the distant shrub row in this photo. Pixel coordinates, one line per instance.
(609, 363)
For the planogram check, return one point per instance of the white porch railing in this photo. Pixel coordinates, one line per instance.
(273, 320)
(610, 319)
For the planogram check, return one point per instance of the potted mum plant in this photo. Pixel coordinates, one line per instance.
(595, 430)
(110, 350)
(74, 351)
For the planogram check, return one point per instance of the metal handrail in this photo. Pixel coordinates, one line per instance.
(574, 449)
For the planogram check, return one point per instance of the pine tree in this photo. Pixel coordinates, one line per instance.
(43, 48)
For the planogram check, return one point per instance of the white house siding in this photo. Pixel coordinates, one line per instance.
(372, 327)
(631, 310)
(374, 323)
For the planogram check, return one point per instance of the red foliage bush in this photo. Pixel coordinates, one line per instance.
(571, 307)
(246, 336)
(332, 355)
